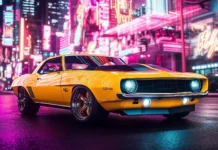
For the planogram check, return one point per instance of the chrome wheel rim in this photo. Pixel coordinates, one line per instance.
(21, 99)
(82, 104)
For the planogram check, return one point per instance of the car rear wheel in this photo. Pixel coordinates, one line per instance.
(176, 116)
(25, 104)
(85, 107)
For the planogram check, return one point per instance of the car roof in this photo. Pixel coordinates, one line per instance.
(37, 68)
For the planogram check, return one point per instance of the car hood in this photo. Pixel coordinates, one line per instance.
(143, 71)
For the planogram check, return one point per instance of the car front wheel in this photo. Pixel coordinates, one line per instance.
(176, 116)
(85, 107)
(25, 104)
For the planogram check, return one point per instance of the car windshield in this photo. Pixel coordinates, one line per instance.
(90, 62)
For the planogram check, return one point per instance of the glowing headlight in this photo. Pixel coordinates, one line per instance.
(195, 85)
(129, 86)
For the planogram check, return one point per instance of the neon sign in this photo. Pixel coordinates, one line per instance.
(28, 45)
(47, 38)
(8, 27)
(208, 43)
(123, 13)
(103, 14)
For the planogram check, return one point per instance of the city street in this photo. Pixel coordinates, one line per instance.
(55, 129)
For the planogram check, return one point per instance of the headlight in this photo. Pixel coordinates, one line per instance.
(129, 86)
(196, 85)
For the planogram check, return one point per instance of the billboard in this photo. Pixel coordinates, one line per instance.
(104, 16)
(8, 26)
(46, 45)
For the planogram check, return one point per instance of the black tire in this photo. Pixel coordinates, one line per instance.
(176, 116)
(25, 104)
(82, 97)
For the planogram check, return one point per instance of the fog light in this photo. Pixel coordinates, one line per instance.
(185, 100)
(146, 102)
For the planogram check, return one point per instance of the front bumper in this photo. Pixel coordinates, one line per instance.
(161, 95)
(157, 111)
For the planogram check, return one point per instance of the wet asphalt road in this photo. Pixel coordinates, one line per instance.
(54, 129)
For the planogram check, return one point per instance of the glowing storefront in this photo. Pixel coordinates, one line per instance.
(159, 29)
(204, 43)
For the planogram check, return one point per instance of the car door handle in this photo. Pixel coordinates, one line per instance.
(38, 78)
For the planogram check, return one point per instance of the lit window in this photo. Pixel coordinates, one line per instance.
(54, 20)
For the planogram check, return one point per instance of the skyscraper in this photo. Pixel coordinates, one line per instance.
(56, 14)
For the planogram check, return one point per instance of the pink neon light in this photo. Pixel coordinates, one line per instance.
(175, 13)
(21, 38)
(174, 46)
(137, 24)
(46, 38)
(171, 45)
(97, 14)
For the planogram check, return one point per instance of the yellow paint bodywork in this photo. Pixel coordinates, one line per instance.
(56, 88)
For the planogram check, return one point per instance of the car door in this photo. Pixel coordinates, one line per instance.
(48, 88)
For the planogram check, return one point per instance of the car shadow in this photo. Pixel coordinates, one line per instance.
(63, 122)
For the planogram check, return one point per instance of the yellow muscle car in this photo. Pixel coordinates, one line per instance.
(91, 86)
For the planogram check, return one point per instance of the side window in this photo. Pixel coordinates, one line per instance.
(52, 65)
(75, 63)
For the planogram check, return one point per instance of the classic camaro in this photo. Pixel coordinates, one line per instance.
(91, 86)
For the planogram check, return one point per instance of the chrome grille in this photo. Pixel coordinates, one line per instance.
(163, 86)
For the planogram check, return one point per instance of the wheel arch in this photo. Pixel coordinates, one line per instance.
(16, 89)
(82, 86)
